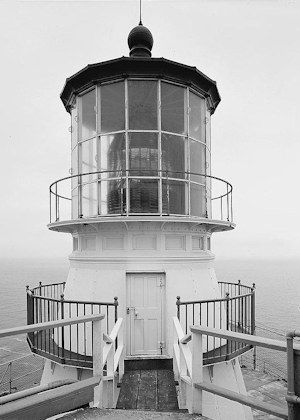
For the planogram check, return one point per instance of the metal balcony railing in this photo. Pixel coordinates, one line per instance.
(46, 303)
(234, 311)
(140, 192)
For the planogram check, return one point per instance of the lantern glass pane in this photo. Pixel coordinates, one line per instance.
(89, 158)
(89, 199)
(74, 128)
(173, 108)
(197, 200)
(74, 196)
(173, 156)
(197, 118)
(113, 196)
(112, 107)
(197, 161)
(88, 115)
(142, 100)
(173, 197)
(113, 155)
(143, 154)
(143, 196)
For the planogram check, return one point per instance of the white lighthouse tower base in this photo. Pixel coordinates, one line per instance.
(147, 265)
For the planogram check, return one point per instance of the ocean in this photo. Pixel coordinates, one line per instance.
(277, 295)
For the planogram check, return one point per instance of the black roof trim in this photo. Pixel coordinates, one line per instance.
(123, 67)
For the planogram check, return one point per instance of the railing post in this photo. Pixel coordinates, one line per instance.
(30, 314)
(178, 307)
(98, 361)
(80, 215)
(56, 203)
(116, 303)
(227, 197)
(121, 344)
(293, 387)
(197, 373)
(290, 376)
(253, 310)
(239, 287)
(109, 380)
(231, 206)
(239, 303)
(227, 321)
(62, 328)
(221, 208)
(50, 202)
(253, 322)
(10, 380)
(168, 192)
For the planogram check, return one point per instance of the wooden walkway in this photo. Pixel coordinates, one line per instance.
(148, 390)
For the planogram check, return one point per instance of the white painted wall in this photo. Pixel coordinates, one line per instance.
(98, 269)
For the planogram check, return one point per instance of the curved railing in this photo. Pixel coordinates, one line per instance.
(46, 303)
(136, 191)
(233, 311)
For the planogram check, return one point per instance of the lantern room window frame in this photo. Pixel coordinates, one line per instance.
(81, 184)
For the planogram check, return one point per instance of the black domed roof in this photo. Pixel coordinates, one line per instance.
(140, 41)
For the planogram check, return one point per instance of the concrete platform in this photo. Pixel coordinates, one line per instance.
(267, 388)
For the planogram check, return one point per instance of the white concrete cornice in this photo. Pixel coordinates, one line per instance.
(143, 259)
(209, 225)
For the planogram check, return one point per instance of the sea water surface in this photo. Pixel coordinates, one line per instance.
(277, 289)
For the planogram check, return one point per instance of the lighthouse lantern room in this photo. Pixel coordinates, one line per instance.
(141, 206)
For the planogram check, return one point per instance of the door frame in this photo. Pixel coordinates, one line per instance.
(163, 312)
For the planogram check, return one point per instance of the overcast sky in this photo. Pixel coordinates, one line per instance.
(251, 48)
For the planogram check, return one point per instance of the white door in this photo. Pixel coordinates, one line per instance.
(145, 314)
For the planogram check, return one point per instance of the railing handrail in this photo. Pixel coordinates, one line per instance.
(159, 171)
(251, 291)
(213, 300)
(240, 337)
(239, 284)
(45, 285)
(75, 301)
(195, 382)
(50, 325)
(243, 399)
(52, 299)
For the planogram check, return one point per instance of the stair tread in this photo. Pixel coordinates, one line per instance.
(148, 390)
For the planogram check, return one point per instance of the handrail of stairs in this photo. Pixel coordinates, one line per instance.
(188, 368)
(104, 355)
(182, 359)
(35, 390)
(113, 358)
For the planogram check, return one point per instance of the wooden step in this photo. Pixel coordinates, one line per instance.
(148, 390)
(148, 364)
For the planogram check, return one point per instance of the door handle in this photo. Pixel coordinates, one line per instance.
(128, 309)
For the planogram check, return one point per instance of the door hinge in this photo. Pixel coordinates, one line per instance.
(161, 283)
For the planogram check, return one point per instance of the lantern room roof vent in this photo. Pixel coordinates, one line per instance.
(140, 41)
